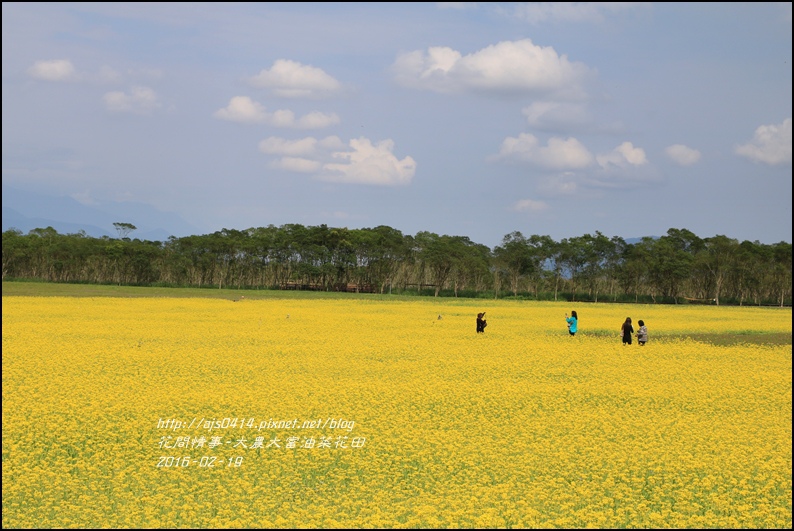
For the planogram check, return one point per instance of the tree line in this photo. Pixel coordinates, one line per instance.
(678, 267)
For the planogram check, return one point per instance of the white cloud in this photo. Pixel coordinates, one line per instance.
(623, 156)
(290, 79)
(551, 115)
(771, 144)
(138, 100)
(55, 70)
(317, 120)
(243, 109)
(279, 146)
(537, 12)
(282, 118)
(329, 159)
(507, 67)
(64, 70)
(558, 154)
(530, 205)
(370, 164)
(683, 155)
(297, 164)
(624, 167)
(331, 143)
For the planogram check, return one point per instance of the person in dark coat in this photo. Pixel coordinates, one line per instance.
(481, 324)
(627, 331)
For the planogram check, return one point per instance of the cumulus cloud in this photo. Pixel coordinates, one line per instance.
(366, 163)
(54, 70)
(576, 167)
(137, 100)
(537, 12)
(623, 156)
(358, 162)
(624, 167)
(290, 79)
(511, 67)
(279, 146)
(243, 109)
(554, 116)
(683, 155)
(297, 164)
(771, 144)
(317, 120)
(529, 205)
(64, 70)
(557, 154)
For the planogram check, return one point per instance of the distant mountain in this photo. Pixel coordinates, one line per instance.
(26, 211)
(12, 219)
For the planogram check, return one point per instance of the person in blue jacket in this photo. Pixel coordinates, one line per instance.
(572, 322)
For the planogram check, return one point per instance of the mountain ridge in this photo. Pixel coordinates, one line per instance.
(25, 211)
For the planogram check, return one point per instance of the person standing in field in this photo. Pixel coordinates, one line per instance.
(481, 324)
(642, 333)
(573, 322)
(627, 331)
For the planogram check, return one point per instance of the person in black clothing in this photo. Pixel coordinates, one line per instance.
(481, 324)
(626, 331)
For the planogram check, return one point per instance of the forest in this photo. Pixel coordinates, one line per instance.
(676, 268)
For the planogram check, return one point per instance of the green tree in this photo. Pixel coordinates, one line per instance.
(634, 270)
(514, 258)
(15, 253)
(718, 258)
(670, 267)
(437, 254)
(781, 278)
(596, 254)
(124, 229)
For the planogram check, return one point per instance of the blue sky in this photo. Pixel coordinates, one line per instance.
(468, 119)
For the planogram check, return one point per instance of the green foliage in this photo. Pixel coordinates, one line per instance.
(678, 268)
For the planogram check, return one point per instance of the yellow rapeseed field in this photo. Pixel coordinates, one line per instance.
(378, 413)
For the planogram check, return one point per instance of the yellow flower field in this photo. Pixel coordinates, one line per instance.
(376, 413)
